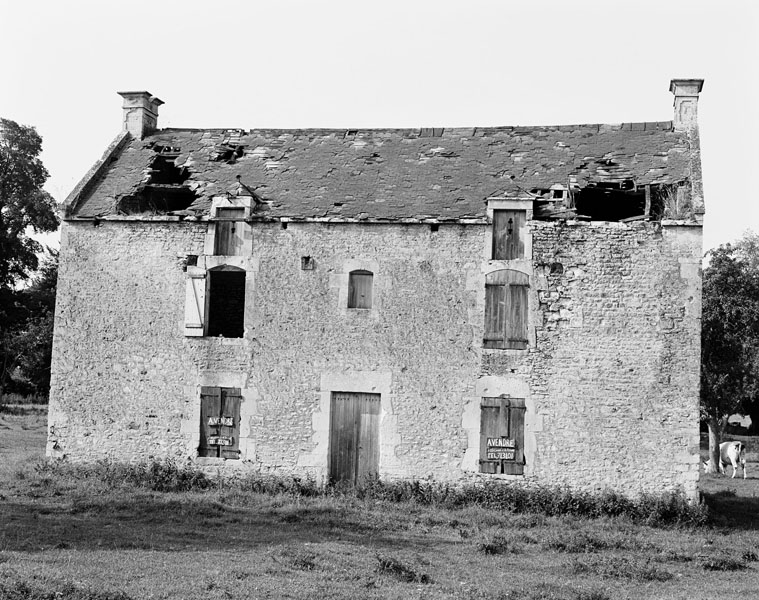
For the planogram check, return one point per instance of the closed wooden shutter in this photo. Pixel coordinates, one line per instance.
(210, 407)
(516, 322)
(502, 436)
(229, 429)
(495, 315)
(230, 232)
(506, 309)
(360, 289)
(195, 305)
(220, 422)
(507, 234)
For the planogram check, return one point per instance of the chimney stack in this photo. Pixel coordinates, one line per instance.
(686, 102)
(140, 113)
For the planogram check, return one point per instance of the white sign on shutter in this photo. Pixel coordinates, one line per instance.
(195, 305)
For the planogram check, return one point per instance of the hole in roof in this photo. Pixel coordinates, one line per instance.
(164, 192)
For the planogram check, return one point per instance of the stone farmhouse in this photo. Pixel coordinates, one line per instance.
(511, 303)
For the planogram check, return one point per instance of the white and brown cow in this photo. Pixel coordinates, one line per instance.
(733, 453)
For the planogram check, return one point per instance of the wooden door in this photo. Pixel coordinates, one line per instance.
(354, 436)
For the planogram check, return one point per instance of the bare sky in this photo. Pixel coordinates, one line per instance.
(393, 63)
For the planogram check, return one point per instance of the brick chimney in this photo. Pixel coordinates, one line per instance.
(686, 102)
(140, 113)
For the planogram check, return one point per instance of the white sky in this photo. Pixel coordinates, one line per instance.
(408, 63)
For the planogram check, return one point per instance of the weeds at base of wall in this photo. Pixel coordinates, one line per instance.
(168, 476)
(66, 591)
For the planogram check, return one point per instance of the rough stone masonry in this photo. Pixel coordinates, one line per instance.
(545, 301)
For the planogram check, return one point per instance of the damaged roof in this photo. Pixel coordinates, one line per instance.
(383, 174)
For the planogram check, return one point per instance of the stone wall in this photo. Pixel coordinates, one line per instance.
(610, 378)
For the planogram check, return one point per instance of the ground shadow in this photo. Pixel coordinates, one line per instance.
(161, 525)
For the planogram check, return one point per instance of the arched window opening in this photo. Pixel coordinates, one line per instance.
(360, 289)
(506, 309)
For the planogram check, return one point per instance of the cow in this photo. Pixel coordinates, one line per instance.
(731, 453)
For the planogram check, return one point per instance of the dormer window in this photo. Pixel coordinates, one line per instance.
(230, 226)
(508, 242)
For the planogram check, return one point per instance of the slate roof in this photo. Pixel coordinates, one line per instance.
(390, 173)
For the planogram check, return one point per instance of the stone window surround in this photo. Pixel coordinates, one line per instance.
(370, 382)
(492, 386)
(523, 265)
(341, 279)
(247, 264)
(510, 204)
(244, 202)
(190, 423)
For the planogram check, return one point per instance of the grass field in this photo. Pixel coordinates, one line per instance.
(63, 539)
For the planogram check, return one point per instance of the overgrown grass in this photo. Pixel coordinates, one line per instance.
(170, 476)
(19, 399)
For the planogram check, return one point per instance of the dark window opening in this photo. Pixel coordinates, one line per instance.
(284, 225)
(434, 227)
(226, 303)
(220, 422)
(508, 242)
(506, 310)
(307, 263)
(360, 289)
(502, 435)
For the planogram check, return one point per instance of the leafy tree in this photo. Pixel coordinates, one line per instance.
(729, 336)
(24, 206)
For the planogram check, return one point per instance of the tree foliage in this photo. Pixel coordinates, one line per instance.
(25, 314)
(730, 335)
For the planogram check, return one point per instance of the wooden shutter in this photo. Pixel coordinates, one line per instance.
(230, 232)
(506, 309)
(516, 321)
(229, 427)
(195, 304)
(495, 315)
(360, 289)
(210, 409)
(220, 422)
(502, 435)
(507, 234)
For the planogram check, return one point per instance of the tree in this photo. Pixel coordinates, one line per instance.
(24, 205)
(729, 336)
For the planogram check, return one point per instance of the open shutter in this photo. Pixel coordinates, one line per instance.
(195, 305)
(210, 409)
(507, 234)
(229, 427)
